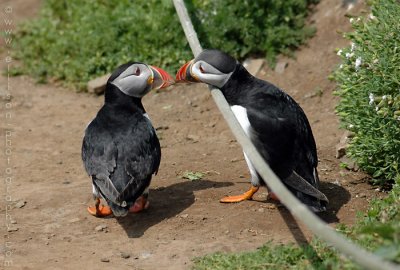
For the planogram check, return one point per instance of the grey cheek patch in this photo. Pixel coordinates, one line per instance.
(131, 86)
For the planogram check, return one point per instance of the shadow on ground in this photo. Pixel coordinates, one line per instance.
(337, 196)
(166, 203)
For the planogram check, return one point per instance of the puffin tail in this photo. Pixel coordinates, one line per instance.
(117, 210)
(316, 205)
(306, 192)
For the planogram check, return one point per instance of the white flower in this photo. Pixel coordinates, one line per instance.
(339, 52)
(371, 16)
(351, 20)
(358, 63)
(341, 66)
(358, 19)
(353, 46)
(376, 108)
(351, 126)
(371, 98)
(349, 55)
(384, 97)
(398, 118)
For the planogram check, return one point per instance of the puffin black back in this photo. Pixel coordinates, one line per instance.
(120, 149)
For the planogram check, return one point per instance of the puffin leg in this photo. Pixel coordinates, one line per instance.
(141, 204)
(272, 196)
(248, 195)
(99, 210)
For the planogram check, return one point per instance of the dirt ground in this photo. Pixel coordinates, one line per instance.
(48, 226)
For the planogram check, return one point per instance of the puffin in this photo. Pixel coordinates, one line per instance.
(273, 121)
(120, 149)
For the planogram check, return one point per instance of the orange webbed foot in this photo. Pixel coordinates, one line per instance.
(141, 204)
(239, 198)
(99, 210)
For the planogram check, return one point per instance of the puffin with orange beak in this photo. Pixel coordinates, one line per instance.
(274, 122)
(120, 149)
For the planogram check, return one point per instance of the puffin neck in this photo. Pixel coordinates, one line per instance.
(115, 98)
(234, 85)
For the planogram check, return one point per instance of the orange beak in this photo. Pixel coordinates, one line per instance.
(161, 78)
(184, 75)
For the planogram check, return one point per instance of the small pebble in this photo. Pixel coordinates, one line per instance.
(192, 137)
(145, 255)
(100, 228)
(20, 204)
(125, 255)
(74, 220)
(105, 260)
(262, 210)
(271, 206)
(184, 215)
(336, 182)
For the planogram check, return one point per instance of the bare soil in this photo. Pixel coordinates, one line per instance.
(53, 230)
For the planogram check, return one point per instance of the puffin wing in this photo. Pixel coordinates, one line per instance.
(306, 155)
(273, 133)
(137, 158)
(99, 155)
(141, 158)
(284, 138)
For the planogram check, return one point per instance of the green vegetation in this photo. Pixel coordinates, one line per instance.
(262, 27)
(369, 83)
(379, 229)
(369, 87)
(192, 176)
(272, 256)
(74, 41)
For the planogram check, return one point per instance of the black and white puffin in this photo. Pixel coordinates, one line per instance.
(273, 121)
(120, 149)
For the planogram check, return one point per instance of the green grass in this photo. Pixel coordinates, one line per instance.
(273, 256)
(74, 41)
(379, 229)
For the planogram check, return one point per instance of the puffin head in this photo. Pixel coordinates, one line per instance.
(213, 67)
(136, 79)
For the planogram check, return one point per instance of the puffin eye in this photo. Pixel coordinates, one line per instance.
(137, 72)
(201, 69)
